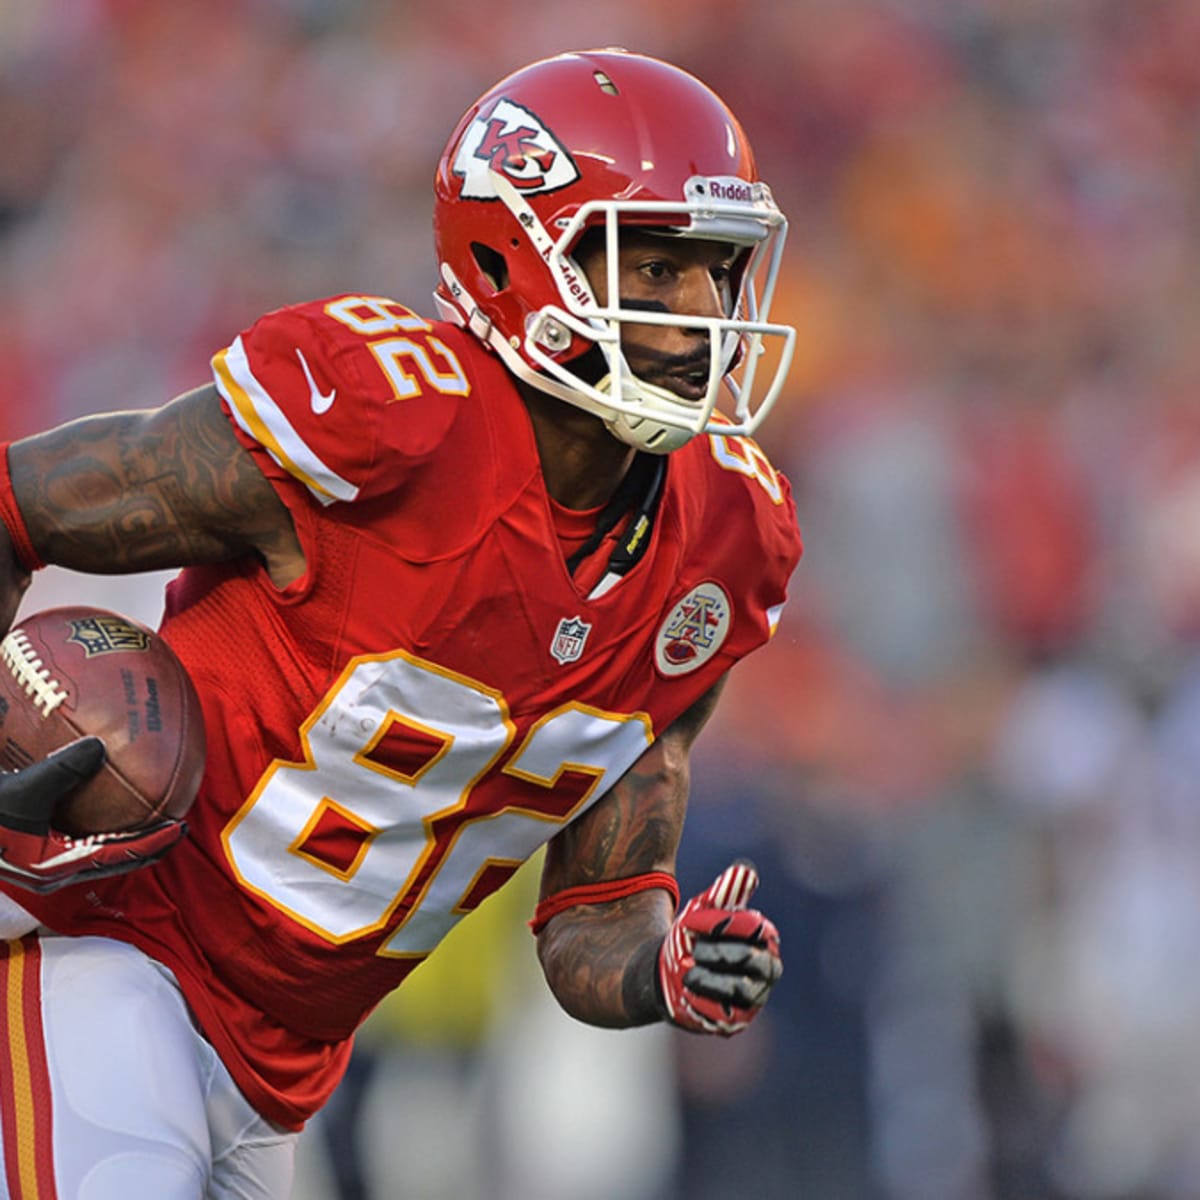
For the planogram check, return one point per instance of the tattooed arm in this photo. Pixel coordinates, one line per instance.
(600, 960)
(141, 491)
(132, 491)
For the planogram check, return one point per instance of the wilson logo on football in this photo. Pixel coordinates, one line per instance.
(694, 631)
(513, 141)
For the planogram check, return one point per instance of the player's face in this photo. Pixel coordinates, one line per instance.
(684, 276)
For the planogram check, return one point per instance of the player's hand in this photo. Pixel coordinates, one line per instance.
(40, 858)
(720, 959)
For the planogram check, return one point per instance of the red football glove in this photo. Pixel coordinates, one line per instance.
(720, 959)
(39, 858)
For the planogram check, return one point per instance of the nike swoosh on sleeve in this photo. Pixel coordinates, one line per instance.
(257, 413)
(321, 401)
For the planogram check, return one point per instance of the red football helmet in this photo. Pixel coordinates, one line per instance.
(606, 139)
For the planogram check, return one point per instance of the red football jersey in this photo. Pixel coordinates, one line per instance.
(394, 733)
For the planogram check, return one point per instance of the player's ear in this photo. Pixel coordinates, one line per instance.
(589, 256)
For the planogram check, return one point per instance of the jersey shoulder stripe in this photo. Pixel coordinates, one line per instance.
(774, 615)
(262, 419)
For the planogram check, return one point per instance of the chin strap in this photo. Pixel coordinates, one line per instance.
(644, 479)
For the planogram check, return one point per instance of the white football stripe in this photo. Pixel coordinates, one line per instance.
(746, 882)
(720, 888)
(733, 887)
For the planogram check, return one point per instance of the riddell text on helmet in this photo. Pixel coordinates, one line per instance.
(735, 190)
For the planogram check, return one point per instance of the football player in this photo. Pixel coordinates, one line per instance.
(453, 588)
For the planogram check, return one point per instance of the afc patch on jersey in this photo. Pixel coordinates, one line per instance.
(694, 630)
(569, 639)
(514, 142)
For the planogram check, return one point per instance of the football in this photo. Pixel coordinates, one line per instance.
(69, 672)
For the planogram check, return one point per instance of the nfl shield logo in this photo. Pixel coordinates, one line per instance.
(569, 639)
(106, 634)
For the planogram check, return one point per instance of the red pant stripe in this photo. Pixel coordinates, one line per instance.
(25, 1104)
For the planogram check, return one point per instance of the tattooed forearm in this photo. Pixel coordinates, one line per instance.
(138, 491)
(636, 825)
(600, 959)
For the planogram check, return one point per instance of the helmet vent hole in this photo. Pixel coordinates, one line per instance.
(491, 263)
(604, 83)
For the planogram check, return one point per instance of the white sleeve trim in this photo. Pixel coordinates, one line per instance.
(258, 414)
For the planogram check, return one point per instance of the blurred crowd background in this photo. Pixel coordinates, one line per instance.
(969, 766)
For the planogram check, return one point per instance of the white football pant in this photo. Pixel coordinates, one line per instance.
(108, 1091)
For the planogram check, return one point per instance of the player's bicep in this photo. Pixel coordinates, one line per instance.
(144, 490)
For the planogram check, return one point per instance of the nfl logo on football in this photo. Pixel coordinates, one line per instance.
(105, 635)
(569, 639)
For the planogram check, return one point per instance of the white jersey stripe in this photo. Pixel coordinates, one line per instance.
(263, 420)
(773, 615)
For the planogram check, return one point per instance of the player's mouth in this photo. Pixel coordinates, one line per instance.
(691, 384)
(686, 376)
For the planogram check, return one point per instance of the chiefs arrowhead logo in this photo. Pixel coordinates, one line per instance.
(512, 140)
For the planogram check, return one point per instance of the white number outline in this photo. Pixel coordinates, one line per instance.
(370, 316)
(390, 351)
(540, 760)
(383, 315)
